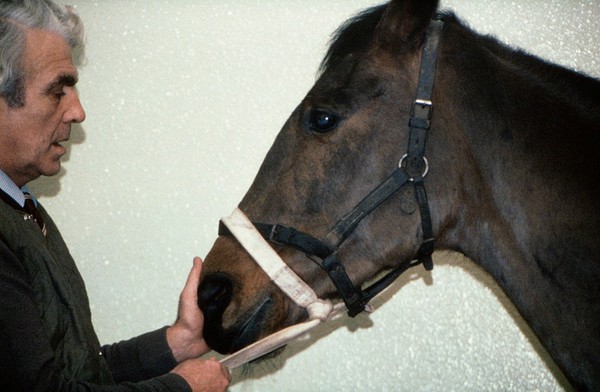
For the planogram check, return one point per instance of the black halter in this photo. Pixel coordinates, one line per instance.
(412, 169)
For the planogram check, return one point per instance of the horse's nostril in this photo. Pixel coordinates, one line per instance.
(214, 293)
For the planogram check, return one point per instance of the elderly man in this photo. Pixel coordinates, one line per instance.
(47, 342)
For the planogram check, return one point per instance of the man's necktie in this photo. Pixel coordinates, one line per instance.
(32, 210)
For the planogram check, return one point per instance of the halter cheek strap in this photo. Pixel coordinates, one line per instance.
(419, 124)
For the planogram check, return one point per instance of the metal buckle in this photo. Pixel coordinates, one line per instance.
(420, 114)
(422, 106)
(273, 233)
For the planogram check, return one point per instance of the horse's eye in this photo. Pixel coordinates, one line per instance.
(322, 121)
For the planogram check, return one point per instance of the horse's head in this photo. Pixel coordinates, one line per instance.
(342, 141)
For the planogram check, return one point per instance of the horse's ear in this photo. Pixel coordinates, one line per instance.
(404, 22)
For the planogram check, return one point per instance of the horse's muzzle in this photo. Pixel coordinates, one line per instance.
(214, 296)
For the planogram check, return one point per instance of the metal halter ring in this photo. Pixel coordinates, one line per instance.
(425, 171)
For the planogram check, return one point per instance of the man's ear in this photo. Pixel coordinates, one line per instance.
(403, 24)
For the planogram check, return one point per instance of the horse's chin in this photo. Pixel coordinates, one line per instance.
(240, 335)
(252, 327)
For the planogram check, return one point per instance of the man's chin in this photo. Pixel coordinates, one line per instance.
(51, 169)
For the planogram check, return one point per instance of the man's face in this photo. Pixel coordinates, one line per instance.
(30, 135)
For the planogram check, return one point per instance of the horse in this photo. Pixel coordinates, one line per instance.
(502, 164)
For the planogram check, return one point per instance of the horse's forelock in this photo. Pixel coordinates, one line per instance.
(355, 35)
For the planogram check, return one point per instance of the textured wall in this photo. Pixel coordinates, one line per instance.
(183, 100)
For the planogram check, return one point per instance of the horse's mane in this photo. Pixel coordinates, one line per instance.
(356, 35)
(581, 90)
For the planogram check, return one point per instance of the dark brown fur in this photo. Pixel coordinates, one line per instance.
(514, 184)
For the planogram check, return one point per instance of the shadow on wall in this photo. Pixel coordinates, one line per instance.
(272, 363)
(50, 186)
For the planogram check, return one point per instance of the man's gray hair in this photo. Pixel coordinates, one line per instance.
(16, 16)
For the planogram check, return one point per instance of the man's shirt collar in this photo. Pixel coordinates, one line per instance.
(11, 189)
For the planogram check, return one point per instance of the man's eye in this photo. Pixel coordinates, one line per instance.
(322, 121)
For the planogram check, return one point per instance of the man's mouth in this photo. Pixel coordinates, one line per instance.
(59, 142)
(60, 147)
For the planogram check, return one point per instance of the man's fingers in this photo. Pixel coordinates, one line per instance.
(193, 280)
(227, 373)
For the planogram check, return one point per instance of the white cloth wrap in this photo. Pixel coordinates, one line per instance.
(253, 242)
(318, 310)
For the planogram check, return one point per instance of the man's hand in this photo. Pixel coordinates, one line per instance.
(204, 375)
(185, 336)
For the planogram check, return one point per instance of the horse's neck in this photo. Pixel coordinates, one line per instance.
(534, 153)
(537, 165)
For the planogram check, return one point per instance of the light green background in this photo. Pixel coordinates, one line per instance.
(183, 99)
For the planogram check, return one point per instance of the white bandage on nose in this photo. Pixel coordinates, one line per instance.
(295, 288)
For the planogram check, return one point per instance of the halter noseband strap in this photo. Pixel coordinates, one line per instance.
(412, 168)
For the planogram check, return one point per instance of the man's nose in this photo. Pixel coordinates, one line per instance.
(75, 112)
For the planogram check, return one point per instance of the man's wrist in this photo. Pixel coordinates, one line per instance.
(183, 344)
